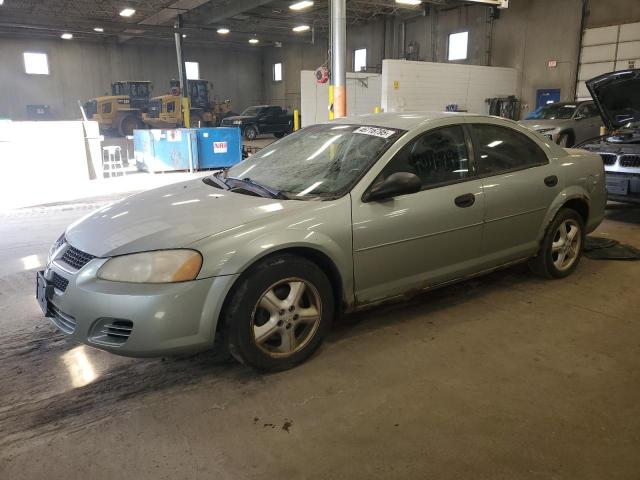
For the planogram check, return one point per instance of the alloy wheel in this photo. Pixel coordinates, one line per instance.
(286, 317)
(566, 244)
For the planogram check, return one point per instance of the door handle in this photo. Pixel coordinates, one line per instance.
(551, 181)
(466, 200)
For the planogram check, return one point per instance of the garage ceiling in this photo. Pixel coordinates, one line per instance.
(269, 20)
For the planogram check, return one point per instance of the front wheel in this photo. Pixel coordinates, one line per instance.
(128, 124)
(250, 132)
(562, 246)
(279, 134)
(279, 313)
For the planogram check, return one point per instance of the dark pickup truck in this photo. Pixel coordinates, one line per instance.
(261, 119)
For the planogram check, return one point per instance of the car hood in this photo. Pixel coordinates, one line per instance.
(170, 217)
(238, 117)
(617, 95)
(542, 124)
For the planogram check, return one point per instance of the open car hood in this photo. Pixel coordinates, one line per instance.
(617, 95)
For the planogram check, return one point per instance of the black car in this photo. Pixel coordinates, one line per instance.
(617, 95)
(262, 119)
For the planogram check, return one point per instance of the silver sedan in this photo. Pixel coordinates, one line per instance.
(261, 258)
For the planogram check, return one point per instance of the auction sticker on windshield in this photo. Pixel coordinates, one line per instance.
(374, 131)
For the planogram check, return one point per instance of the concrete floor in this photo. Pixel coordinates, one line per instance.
(504, 377)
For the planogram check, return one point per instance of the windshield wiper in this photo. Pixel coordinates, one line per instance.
(216, 180)
(272, 192)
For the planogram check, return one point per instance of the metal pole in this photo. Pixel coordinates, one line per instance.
(339, 56)
(182, 72)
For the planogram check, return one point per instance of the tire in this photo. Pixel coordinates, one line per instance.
(262, 305)
(195, 121)
(552, 261)
(565, 140)
(279, 134)
(250, 132)
(128, 124)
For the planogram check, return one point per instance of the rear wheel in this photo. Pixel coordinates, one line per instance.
(279, 134)
(279, 313)
(562, 246)
(250, 132)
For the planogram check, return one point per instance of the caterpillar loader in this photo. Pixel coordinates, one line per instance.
(121, 111)
(165, 111)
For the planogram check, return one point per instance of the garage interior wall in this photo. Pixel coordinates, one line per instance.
(80, 70)
(526, 36)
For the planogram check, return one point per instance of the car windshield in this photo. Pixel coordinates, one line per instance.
(251, 111)
(318, 161)
(558, 111)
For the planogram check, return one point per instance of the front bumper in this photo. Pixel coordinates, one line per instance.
(138, 320)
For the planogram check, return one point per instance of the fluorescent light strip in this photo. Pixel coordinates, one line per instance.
(301, 5)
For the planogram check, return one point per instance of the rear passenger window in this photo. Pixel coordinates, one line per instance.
(437, 157)
(501, 149)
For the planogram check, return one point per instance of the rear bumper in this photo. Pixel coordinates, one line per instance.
(159, 319)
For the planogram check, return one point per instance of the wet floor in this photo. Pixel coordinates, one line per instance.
(507, 376)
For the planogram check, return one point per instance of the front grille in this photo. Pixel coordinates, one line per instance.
(60, 283)
(76, 258)
(630, 161)
(609, 158)
(64, 322)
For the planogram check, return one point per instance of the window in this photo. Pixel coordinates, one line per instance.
(501, 149)
(437, 157)
(588, 110)
(277, 72)
(106, 108)
(360, 60)
(36, 63)
(458, 43)
(171, 107)
(193, 70)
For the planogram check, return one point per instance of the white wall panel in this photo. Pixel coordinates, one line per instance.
(599, 36)
(599, 53)
(364, 91)
(590, 70)
(628, 50)
(629, 32)
(414, 86)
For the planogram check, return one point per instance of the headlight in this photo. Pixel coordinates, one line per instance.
(162, 266)
(54, 248)
(237, 122)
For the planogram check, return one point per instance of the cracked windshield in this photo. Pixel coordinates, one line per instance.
(323, 160)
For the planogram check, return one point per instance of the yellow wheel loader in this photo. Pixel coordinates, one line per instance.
(121, 111)
(165, 111)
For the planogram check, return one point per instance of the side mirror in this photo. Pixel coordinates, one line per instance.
(400, 183)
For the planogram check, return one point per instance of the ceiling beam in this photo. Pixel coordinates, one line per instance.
(234, 8)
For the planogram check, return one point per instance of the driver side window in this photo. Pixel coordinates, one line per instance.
(438, 157)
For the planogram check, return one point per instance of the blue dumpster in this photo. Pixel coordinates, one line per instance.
(166, 150)
(219, 147)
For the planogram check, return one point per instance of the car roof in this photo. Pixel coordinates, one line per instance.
(403, 120)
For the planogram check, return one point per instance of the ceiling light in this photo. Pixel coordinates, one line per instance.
(98, 29)
(184, 35)
(127, 12)
(301, 28)
(409, 2)
(223, 31)
(253, 41)
(66, 36)
(1, 2)
(301, 5)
